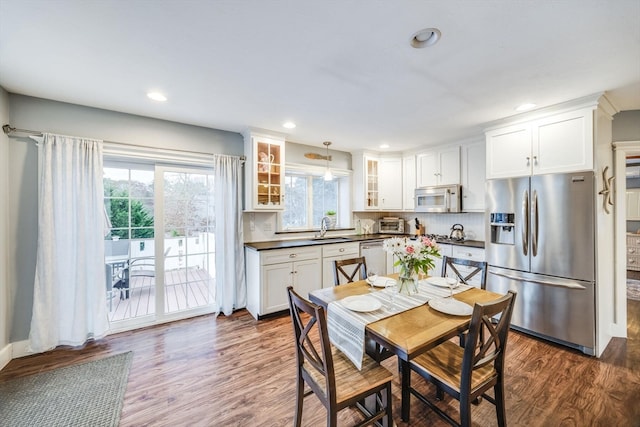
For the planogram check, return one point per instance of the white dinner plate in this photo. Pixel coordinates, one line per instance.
(451, 306)
(378, 281)
(437, 281)
(362, 303)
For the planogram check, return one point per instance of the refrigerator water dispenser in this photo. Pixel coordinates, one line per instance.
(502, 228)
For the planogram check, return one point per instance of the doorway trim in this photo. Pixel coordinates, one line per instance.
(621, 150)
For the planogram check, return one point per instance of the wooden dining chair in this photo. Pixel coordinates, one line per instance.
(359, 266)
(468, 373)
(328, 373)
(450, 264)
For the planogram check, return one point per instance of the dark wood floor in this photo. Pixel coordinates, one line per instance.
(235, 371)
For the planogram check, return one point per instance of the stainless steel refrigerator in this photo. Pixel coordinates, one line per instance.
(540, 236)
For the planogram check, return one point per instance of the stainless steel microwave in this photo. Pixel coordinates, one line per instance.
(442, 198)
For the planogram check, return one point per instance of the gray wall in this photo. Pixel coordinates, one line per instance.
(626, 126)
(5, 296)
(68, 119)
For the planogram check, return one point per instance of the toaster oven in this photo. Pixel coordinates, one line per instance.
(391, 226)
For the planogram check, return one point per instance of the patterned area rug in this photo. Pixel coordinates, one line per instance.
(88, 394)
(633, 289)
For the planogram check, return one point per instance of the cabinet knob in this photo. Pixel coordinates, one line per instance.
(341, 249)
(528, 160)
(292, 255)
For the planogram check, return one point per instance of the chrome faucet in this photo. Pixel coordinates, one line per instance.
(324, 225)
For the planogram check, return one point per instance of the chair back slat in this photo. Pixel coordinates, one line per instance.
(359, 266)
(479, 267)
(312, 351)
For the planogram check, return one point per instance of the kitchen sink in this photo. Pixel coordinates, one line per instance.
(330, 239)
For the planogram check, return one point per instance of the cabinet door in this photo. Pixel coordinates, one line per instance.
(473, 177)
(307, 276)
(371, 168)
(276, 278)
(409, 183)
(449, 166)
(427, 169)
(390, 183)
(563, 143)
(509, 152)
(264, 173)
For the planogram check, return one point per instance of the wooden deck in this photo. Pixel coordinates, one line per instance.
(184, 289)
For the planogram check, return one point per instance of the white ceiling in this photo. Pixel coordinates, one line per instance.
(343, 70)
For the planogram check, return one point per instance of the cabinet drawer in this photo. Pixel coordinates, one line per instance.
(633, 262)
(288, 255)
(474, 254)
(341, 249)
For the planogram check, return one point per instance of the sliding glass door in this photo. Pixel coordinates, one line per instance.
(159, 243)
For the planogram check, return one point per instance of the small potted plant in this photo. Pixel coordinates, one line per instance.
(332, 218)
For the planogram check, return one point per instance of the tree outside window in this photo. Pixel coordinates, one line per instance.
(308, 198)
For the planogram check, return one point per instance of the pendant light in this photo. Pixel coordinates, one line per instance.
(328, 176)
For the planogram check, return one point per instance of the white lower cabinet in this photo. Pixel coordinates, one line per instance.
(270, 272)
(336, 252)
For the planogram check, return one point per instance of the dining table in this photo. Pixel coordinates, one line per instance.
(407, 333)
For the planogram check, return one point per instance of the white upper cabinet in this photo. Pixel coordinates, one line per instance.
(473, 176)
(558, 143)
(409, 183)
(377, 182)
(563, 143)
(390, 183)
(438, 167)
(509, 151)
(264, 171)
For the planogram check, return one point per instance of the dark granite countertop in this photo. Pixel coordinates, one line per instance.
(294, 243)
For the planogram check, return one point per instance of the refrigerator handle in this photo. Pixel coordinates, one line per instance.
(525, 226)
(534, 213)
(570, 285)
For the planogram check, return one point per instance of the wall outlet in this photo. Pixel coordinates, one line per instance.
(252, 221)
(266, 226)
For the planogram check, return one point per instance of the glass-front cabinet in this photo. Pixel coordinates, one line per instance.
(264, 172)
(372, 177)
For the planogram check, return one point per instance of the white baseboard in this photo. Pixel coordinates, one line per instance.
(20, 349)
(5, 355)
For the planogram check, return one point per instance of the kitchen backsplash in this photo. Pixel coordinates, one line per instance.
(472, 222)
(262, 226)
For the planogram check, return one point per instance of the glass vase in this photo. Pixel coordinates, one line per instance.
(407, 283)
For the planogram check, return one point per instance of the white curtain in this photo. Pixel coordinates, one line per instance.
(69, 301)
(231, 288)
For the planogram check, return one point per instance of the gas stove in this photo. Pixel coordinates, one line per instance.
(442, 238)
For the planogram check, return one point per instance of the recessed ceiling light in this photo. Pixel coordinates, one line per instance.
(289, 125)
(384, 145)
(425, 37)
(157, 96)
(525, 107)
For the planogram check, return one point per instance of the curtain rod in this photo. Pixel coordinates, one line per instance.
(8, 130)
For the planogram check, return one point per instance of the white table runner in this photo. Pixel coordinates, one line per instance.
(347, 327)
